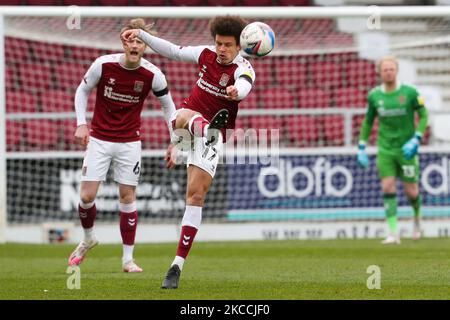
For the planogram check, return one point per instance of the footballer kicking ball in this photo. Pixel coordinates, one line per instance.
(257, 39)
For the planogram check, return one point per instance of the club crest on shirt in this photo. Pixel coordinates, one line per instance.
(224, 79)
(112, 81)
(402, 99)
(138, 86)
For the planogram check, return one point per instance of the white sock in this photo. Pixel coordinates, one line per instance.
(178, 261)
(127, 253)
(88, 234)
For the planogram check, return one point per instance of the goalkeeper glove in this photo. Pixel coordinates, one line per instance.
(363, 159)
(411, 147)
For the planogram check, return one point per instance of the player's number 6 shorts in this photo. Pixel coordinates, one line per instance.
(125, 157)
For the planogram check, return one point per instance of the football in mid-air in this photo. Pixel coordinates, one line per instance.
(257, 39)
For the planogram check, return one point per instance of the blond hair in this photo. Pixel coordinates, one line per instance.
(387, 58)
(139, 23)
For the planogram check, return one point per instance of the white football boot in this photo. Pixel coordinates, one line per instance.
(391, 239)
(131, 267)
(77, 256)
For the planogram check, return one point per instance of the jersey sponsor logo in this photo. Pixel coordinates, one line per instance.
(138, 86)
(112, 81)
(109, 93)
(224, 79)
(208, 87)
(391, 112)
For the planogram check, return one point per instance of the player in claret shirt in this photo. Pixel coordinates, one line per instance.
(395, 105)
(225, 78)
(123, 81)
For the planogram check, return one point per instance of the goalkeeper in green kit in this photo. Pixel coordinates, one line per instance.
(398, 140)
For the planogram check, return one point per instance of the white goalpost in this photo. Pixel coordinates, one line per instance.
(312, 88)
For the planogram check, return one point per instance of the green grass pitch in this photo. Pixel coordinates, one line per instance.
(266, 270)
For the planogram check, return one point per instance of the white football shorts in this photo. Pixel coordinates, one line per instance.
(124, 156)
(205, 157)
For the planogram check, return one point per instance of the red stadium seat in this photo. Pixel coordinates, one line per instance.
(155, 134)
(57, 101)
(181, 75)
(178, 97)
(282, 26)
(42, 2)
(69, 75)
(296, 3)
(326, 74)
(17, 50)
(186, 2)
(263, 125)
(313, 98)
(337, 40)
(263, 70)
(333, 130)
(222, 2)
(317, 26)
(113, 2)
(303, 131)
(35, 76)
(11, 78)
(251, 101)
(356, 130)
(291, 73)
(42, 134)
(78, 2)
(44, 51)
(83, 54)
(361, 74)
(164, 26)
(68, 127)
(19, 101)
(263, 3)
(150, 2)
(277, 98)
(14, 134)
(11, 3)
(349, 98)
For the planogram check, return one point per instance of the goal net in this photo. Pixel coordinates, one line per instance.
(312, 88)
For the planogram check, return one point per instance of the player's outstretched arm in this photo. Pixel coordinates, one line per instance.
(164, 47)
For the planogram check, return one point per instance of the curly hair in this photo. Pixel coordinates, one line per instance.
(227, 26)
(138, 23)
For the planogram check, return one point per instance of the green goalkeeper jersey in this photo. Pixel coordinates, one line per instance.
(396, 114)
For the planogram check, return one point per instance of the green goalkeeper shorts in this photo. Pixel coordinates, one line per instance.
(395, 165)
